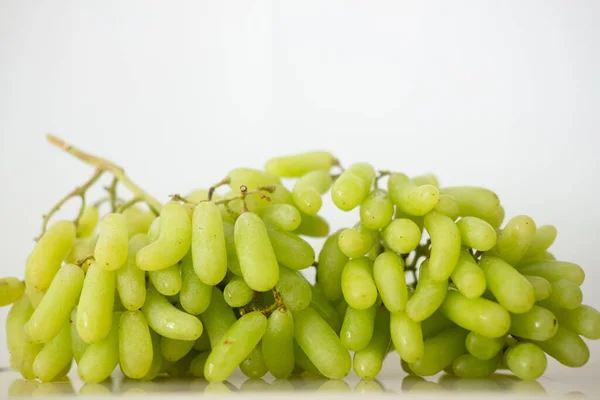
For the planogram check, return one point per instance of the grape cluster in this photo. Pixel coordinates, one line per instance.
(210, 282)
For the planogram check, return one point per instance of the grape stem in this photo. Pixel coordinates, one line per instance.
(242, 196)
(131, 202)
(112, 194)
(222, 182)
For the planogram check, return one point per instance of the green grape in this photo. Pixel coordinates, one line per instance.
(290, 249)
(566, 347)
(508, 286)
(357, 328)
(251, 178)
(312, 226)
(440, 352)
(368, 385)
(111, 248)
(541, 287)
(167, 281)
(484, 348)
(526, 360)
(198, 363)
(95, 308)
(475, 202)
(407, 337)
(498, 218)
(255, 253)
(476, 233)
(308, 190)
(237, 293)
(445, 245)
(208, 244)
(254, 365)
(367, 362)
(429, 295)
(293, 166)
(194, 295)
(217, 318)
(411, 198)
(174, 350)
(78, 345)
(131, 281)
(47, 255)
(278, 344)
(357, 241)
(101, 358)
(168, 321)
(138, 220)
(402, 235)
(375, 251)
(534, 258)
(321, 344)
(468, 277)
(26, 356)
(88, 221)
(469, 367)
(283, 216)
(388, 274)
(583, 320)
(157, 360)
(154, 230)
(196, 196)
(23, 350)
(233, 264)
(435, 324)
(295, 291)
(58, 302)
(515, 239)
(35, 295)
(321, 305)
(536, 324)
(545, 235)
(376, 210)
(331, 265)
(352, 186)
(303, 362)
(341, 307)
(257, 202)
(11, 290)
(478, 315)
(174, 239)
(135, 345)
(448, 206)
(235, 345)
(358, 287)
(83, 248)
(202, 343)
(564, 294)
(555, 270)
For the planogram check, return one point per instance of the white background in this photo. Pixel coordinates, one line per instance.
(497, 93)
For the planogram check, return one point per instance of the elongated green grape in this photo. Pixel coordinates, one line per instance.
(23, 350)
(564, 294)
(388, 274)
(172, 243)
(429, 295)
(467, 366)
(321, 305)
(283, 216)
(402, 235)
(566, 347)
(233, 263)
(321, 344)
(112, 246)
(526, 360)
(440, 351)
(35, 295)
(375, 251)
(407, 337)
(277, 344)
(257, 202)
(168, 321)
(217, 318)
(179, 368)
(47, 255)
(515, 239)
(208, 243)
(536, 324)
(312, 226)
(235, 345)
(411, 198)
(476, 233)
(294, 289)
(237, 293)
(303, 363)
(203, 342)
(478, 315)
(357, 241)
(425, 179)
(11, 290)
(255, 253)
(512, 290)
(376, 210)
(445, 245)
(78, 345)
(88, 221)
(308, 190)
(448, 206)
(484, 348)
(293, 166)
(154, 230)
(135, 345)
(254, 365)
(95, 308)
(131, 281)
(545, 235)
(138, 220)
(367, 362)
(475, 202)
(251, 178)
(174, 350)
(83, 248)
(541, 287)
(358, 286)
(101, 358)
(583, 320)
(331, 265)
(167, 280)
(435, 324)
(468, 277)
(157, 360)
(554, 270)
(352, 186)
(290, 249)
(357, 328)
(55, 356)
(197, 364)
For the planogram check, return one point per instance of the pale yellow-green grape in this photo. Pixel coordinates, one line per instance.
(251, 178)
(283, 216)
(233, 263)
(545, 235)
(95, 308)
(138, 220)
(357, 241)
(508, 286)
(35, 295)
(367, 362)
(475, 202)
(290, 249)
(321, 305)
(203, 342)
(55, 356)
(135, 345)
(476, 233)
(407, 337)
(352, 186)
(11, 290)
(111, 248)
(173, 241)
(534, 258)
(277, 344)
(555, 270)
(48, 253)
(197, 364)
(402, 235)
(21, 348)
(321, 344)
(536, 324)
(157, 360)
(131, 281)
(410, 197)
(208, 244)
(237, 293)
(174, 350)
(376, 210)
(217, 318)
(357, 328)
(541, 287)
(154, 230)
(484, 348)
(515, 239)
(448, 206)
(469, 367)
(196, 196)
(428, 297)
(303, 363)
(101, 358)
(445, 245)
(258, 202)
(78, 345)
(388, 274)
(58, 302)
(297, 165)
(426, 179)
(478, 315)
(166, 320)
(294, 289)
(308, 190)
(82, 249)
(440, 351)
(583, 320)
(235, 345)
(331, 265)
(526, 360)
(375, 251)
(194, 295)
(88, 221)
(358, 287)
(498, 218)
(167, 280)
(435, 324)
(468, 277)
(254, 366)
(312, 226)
(565, 294)
(255, 252)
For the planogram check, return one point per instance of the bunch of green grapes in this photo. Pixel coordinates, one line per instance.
(212, 282)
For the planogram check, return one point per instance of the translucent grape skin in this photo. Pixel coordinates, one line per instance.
(217, 318)
(55, 356)
(11, 290)
(554, 270)
(101, 358)
(277, 344)
(435, 324)
(135, 345)
(367, 363)
(475, 202)
(376, 210)
(88, 221)
(358, 287)
(283, 216)
(168, 321)
(290, 249)
(332, 261)
(564, 294)
(17, 317)
(303, 363)
(388, 274)
(407, 337)
(476, 233)
(584, 320)
(308, 190)
(78, 345)
(157, 360)
(357, 328)
(526, 360)
(410, 198)
(95, 308)
(113, 241)
(131, 281)
(357, 241)
(440, 351)
(512, 290)
(237, 293)
(254, 366)
(297, 165)
(469, 367)
(515, 239)
(541, 287)
(482, 347)
(320, 304)
(197, 364)
(209, 251)
(174, 350)
(251, 178)
(294, 289)
(544, 237)
(428, 297)
(312, 226)
(566, 347)
(352, 186)
(536, 324)
(233, 263)
(448, 206)
(402, 235)
(468, 277)
(445, 245)
(167, 281)
(194, 295)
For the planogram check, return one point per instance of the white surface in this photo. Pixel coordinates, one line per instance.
(503, 94)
